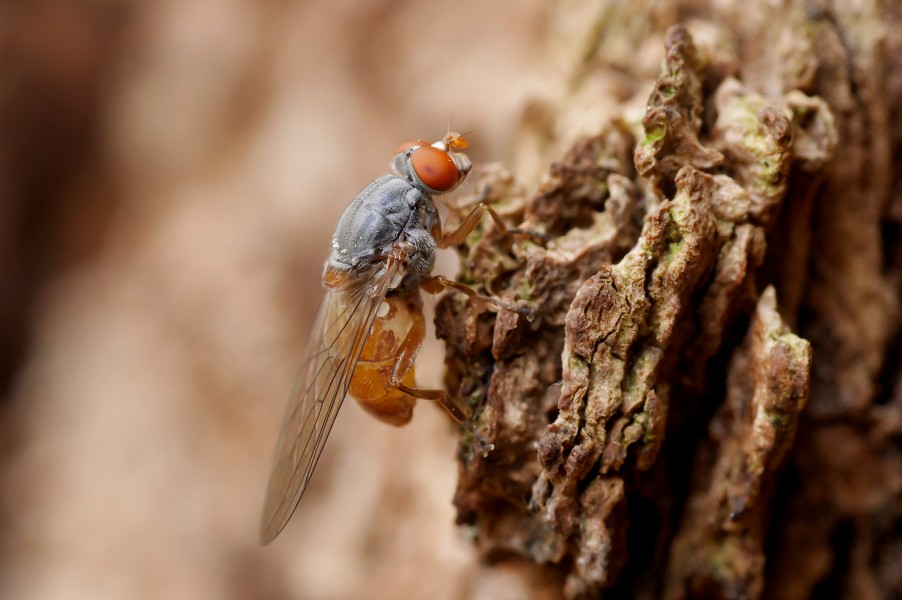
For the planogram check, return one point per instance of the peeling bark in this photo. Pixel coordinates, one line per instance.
(719, 549)
(639, 425)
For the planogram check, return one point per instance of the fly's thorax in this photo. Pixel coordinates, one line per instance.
(374, 220)
(389, 215)
(420, 258)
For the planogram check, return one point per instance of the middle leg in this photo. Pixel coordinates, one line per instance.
(439, 283)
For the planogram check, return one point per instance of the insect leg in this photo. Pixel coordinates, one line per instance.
(404, 359)
(469, 223)
(438, 284)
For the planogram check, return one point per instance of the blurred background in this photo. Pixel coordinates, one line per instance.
(170, 176)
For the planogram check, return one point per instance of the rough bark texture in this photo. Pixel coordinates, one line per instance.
(715, 283)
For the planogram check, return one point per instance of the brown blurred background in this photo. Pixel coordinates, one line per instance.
(170, 174)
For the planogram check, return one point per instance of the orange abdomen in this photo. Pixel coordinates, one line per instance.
(371, 382)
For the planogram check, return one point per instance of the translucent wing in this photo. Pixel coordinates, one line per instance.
(341, 327)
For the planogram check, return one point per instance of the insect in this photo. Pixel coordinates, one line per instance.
(370, 324)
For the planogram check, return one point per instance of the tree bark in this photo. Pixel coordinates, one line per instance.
(707, 401)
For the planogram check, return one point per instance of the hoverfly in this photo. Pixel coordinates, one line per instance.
(370, 324)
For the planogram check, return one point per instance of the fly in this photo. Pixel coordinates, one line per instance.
(370, 324)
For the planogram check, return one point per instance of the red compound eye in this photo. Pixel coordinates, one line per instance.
(434, 168)
(408, 145)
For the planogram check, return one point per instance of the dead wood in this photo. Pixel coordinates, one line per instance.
(715, 282)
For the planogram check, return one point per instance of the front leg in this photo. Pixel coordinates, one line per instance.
(460, 233)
